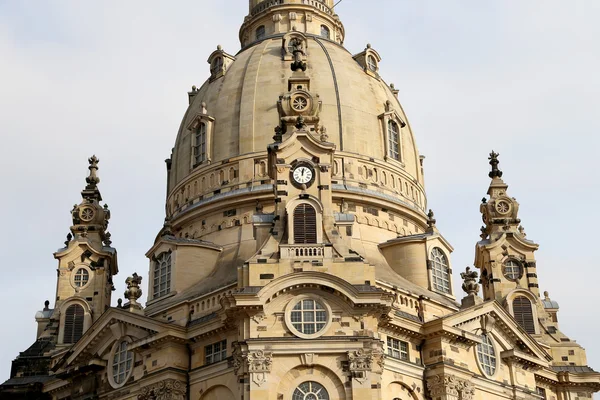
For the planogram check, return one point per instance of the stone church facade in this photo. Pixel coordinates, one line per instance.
(298, 259)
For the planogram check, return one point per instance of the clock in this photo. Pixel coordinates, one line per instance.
(301, 174)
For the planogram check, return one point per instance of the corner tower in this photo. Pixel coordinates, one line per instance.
(86, 265)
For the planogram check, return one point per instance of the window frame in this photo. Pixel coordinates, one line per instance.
(302, 395)
(165, 278)
(487, 349)
(403, 355)
(260, 33)
(291, 307)
(508, 270)
(325, 28)
(521, 317)
(394, 142)
(74, 275)
(76, 326)
(209, 357)
(115, 356)
(199, 152)
(305, 230)
(440, 271)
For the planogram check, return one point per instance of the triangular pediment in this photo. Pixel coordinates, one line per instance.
(492, 318)
(113, 325)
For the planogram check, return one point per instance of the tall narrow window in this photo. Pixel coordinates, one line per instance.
(73, 324)
(305, 224)
(486, 355)
(217, 65)
(439, 271)
(200, 144)
(162, 275)
(260, 32)
(122, 363)
(372, 63)
(394, 140)
(523, 313)
(325, 33)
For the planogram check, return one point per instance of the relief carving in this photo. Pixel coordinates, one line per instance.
(449, 387)
(169, 389)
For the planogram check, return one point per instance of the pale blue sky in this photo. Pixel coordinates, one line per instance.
(110, 78)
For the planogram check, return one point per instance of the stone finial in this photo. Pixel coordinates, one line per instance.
(278, 137)
(92, 178)
(133, 292)
(107, 242)
(46, 305)
(204, 110)
(167, 228)
(471, 287)
(324, 135)
(368, 45)
(522, 231)
(119, 303)
(546, 295)
(69, 238)
(219, 47)
(495, 172)
(300, 122)
(483, 234)
(431, 219)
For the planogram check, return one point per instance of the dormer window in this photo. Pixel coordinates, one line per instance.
(260, 32)
(216, 66)
(325, 32)
(394, 140)
(372, 63)
(200, 144)
(440, 271)
(162, 275)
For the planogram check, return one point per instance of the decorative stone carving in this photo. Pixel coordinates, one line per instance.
(470, 285)
(237, 358)
(169, 389)
(360, 363)
(495, 172)
(299, 54)
(449, 387)
(259, 365)
(133, 292)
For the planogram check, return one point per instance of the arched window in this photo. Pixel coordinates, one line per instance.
(523, 313)
(260, 32)
(305, 224)
(200, 144)
(372, 63)
(325, 33)
(217, 65)
(162, 275)
(310, 391)
(73, 324)
(439, 271)
(394, 140)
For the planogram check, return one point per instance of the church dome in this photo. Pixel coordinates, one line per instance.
(293, 64)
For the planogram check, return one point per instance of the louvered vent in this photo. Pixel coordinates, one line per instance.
(524, 314)
(73, 324)
(305, 224)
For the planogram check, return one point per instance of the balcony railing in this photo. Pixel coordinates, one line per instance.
(305, 251)
(266, 4)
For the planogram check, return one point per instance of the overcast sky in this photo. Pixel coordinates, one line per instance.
(111, 78)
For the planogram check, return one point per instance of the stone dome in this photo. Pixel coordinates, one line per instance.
(235, 112)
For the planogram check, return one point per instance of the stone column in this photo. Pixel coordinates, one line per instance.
(449, 387)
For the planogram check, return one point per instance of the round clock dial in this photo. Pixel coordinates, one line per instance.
(303, 174)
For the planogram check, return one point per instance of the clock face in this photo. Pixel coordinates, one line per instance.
(303, 174)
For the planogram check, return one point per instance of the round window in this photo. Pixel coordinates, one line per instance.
(300, 103)
(512, 270)
(310, 391)
(122, 364)
(87, 214)
(502, 207)
(81, 278)
(308, 317)
(486, 356)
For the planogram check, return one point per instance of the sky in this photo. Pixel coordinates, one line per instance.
(111, 78)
